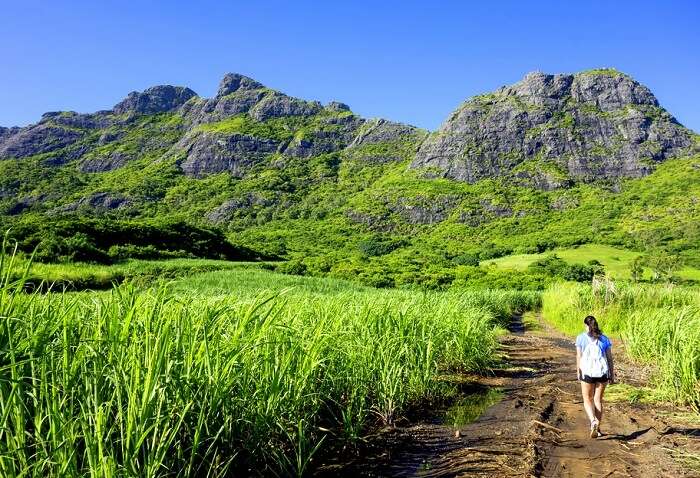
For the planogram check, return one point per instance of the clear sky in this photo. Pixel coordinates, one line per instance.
(402, 60)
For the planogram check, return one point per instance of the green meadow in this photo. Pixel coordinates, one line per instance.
(617, 262)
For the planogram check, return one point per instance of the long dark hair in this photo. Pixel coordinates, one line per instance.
(592, 324)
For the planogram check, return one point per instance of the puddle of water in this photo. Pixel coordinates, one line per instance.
(471, 407)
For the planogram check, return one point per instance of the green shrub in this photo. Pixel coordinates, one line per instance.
(78, 247)
(294, 267)
(579, 272)
(555, 267)
(466, 260)
(378, 246)
(551, 265)
(494, 252)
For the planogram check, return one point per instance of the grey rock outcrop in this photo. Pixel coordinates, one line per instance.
(209, 153)
(5, 133)
(244, 124)
(239, 94)
(587, 126)
(233, 82)
(382, 131)
(241, 102)
(309, 130)
(332, 134)
(24, 204)
(100, 164)
(421, 210)
(546, 132)
(71, 119)
(395, 141)
(337, 106)
(98, 202)
(157, 99)
(315, 143)
(110, 136)
(275, 105)
(199, 111)
(609, 91)
(37, 139)
(373, 222)
(228, 208)
(57, 130)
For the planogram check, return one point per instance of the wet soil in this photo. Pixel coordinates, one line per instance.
(534, 426)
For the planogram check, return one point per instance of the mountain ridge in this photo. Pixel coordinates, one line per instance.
(470, 145)
(237, 96)
(544, 163)
(250, 83)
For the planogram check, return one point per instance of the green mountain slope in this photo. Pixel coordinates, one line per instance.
(553, 161)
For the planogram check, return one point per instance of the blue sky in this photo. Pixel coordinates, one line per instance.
(402, 60)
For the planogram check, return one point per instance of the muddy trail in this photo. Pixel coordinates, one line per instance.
(534, 427)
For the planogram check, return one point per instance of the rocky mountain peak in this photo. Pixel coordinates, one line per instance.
(232, 82)
(609, 90)
(157, 99)
(606, 89)
(337, 106)
(538, 88)
(7, 132)
(549, 130)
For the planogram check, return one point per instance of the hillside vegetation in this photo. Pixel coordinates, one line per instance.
(252, 172)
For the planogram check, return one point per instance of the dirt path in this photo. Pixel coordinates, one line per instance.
(537, 429)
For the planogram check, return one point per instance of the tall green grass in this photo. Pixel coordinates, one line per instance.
(81, 276)
(659, 325)
(174, 381)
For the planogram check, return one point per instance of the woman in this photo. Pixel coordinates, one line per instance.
(595, 369)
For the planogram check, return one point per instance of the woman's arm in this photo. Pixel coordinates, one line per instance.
(611, 366)
(578, 363)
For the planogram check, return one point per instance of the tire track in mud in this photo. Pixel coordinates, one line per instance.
(538, 428)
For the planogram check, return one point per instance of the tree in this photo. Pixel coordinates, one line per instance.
(637, 268)
(663, 265)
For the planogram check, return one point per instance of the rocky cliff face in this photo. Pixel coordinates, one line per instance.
(38, 139)
(242, 125)
(157, 99)
(69, 135)
(245, 123)
(549, 130)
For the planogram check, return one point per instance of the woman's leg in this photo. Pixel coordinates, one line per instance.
(588, 390)
(598, 399)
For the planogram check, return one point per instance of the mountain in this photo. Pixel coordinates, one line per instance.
(551, 160)
(237, 129)
(549, 130)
